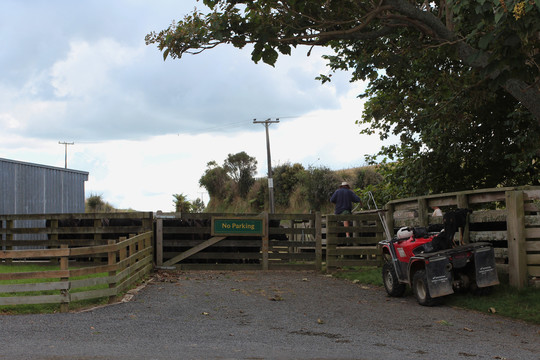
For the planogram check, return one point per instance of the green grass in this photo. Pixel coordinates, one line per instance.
(45, 308)
(363, 274)
(504, 300)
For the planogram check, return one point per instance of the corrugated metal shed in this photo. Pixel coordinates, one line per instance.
(27, 188)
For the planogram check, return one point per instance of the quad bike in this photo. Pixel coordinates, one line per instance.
(433, 266)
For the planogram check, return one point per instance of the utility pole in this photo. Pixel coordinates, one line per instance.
(267, 123)
(65, 151)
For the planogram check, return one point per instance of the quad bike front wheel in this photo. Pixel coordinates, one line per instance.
(420, 289)
(391, 283)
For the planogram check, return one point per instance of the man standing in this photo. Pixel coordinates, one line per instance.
(343, 199)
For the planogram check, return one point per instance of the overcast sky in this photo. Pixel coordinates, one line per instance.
(144, 128)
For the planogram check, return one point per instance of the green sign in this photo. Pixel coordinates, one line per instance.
(225, 226)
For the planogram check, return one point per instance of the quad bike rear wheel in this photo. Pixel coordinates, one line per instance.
(421, 290)
(391, 283)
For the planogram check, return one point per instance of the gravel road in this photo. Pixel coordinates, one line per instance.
(265, 315)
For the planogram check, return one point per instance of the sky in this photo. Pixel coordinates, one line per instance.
(144, 128)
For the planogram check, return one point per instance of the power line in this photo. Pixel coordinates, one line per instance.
(235, 124)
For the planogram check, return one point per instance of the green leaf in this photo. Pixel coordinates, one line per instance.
(501, 14)
(485, 40)
(270, 56)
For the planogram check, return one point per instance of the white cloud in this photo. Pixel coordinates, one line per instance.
(145, 128)
(88, 68)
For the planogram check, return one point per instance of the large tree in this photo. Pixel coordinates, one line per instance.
(241, 168)
(457, 82)
(497, 38)
(215, 180)
(455, 131)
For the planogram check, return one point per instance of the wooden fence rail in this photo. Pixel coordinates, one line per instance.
(355, 245)
(127, 262)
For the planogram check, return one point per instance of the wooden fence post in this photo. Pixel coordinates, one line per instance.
(515, 234)
(331, 241)
(463, 203)
(422, 212)
(159, 238)
(112, 261)
(389, 218)
(9, 238)
(122, 254)
(318, 241)
(64, 263)
(54, 237)
(264, 245)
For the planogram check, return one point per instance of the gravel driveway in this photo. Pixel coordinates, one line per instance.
(265, 315)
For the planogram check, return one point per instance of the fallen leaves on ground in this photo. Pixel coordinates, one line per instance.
(164, 276)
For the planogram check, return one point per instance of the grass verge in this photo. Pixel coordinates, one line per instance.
(504, 300)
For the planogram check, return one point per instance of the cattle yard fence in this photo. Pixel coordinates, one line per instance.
(79, 262)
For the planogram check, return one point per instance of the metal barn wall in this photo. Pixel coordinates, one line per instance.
(27, 188)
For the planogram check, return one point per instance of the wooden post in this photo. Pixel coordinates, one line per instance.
(318, 241)
(422, 212)
(64, 263)
(147, 222)
(159, 239)
(122, 254)
(112, 261)
(148, 225)
(463, 203)
(515, 234)
(265, 240)
(331, 241)
(54, 237)
(389, 218)
(97, 237)
(9, 238)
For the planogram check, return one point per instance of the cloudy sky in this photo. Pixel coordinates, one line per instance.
(144, 128)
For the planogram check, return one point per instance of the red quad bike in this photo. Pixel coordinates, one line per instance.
(433, 266)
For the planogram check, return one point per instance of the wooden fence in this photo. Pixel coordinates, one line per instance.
(95, 256)
(291, 241)
(127, 262)
(84, 229)
(359, 248)
(509, 218)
